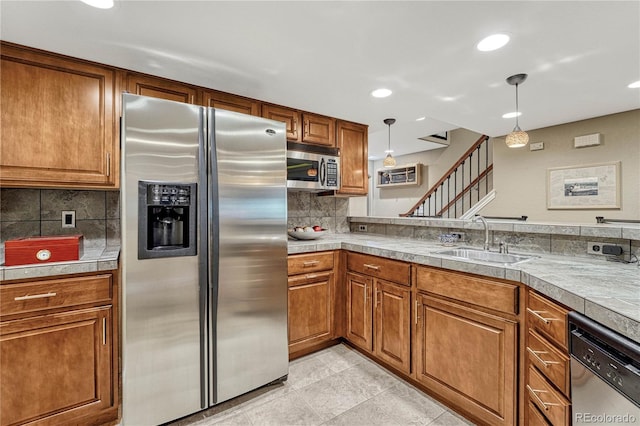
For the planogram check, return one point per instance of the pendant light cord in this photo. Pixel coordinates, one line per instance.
(517, 109)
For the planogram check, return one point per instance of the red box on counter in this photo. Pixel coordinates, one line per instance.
(34, 250)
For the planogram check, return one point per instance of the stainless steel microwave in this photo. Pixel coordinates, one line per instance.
(309, 171)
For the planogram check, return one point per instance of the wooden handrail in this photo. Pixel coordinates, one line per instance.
(445, 176)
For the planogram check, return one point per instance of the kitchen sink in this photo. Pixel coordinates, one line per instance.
(485, 256)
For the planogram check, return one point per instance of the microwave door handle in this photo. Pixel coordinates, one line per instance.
(323, 172)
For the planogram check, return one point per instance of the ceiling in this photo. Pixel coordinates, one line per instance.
(326, 57)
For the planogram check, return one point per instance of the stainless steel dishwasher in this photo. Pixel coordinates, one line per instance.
(605, 374)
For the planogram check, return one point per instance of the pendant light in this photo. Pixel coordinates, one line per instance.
(518, 137)
(389, 161)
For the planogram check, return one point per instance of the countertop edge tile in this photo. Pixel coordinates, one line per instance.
(94, 260)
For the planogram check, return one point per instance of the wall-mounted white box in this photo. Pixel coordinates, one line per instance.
(538, 146)
(587, 140)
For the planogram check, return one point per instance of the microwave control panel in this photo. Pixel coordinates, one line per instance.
(332, 172)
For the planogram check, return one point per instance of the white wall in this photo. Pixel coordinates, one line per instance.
(520, 175)
(394, 201)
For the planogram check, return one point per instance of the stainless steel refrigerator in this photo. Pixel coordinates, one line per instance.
(204, 257)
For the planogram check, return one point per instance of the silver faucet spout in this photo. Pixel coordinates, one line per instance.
(486, 231)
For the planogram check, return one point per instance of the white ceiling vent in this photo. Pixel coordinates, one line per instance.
(587, 140)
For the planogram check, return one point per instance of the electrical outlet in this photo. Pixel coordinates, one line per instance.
(68, 218)
(459, 236)
(597, 248)
(362, 228)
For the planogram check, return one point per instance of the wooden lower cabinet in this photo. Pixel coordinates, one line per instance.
(547, 362)
(359, 311)
(469, 357)
(392, 340)
(310, 310)
(379, 311)
(58, 366)
(311, 300)
(467, 342)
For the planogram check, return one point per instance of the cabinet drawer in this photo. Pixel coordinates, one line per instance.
(387, 269)
(502, 297)
(534, 416)
(548, 319)
(555, 407)
(552, 363)
(39, 295)
(311, 262)
(302, 279)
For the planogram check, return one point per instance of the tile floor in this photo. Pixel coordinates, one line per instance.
(336, 386)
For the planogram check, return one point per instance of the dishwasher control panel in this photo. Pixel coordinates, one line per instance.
(610, 356)
(612, 368)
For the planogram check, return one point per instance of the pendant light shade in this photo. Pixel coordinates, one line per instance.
(389, 161)
(518, 137)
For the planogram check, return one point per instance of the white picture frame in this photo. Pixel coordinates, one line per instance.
(593, 186)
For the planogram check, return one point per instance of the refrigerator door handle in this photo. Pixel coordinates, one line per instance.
(203, 246)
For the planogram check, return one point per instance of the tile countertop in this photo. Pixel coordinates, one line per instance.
(607, 292)
(93, 260)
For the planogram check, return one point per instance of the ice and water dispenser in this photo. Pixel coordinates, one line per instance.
(167, 219)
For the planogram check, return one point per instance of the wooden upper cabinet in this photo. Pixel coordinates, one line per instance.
(354, 163)
(229, 102)
(290, 117)
(58, 121)
(156, 87)
(319, 130)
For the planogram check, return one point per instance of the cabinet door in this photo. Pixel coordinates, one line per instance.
(319, 130)
(354, 163)
(310, 310)
(229, 102)
(157, 87)
(290, 117)
(468, 357)
(58, 121)
(359, 315)
(393, 324)
(56, 367)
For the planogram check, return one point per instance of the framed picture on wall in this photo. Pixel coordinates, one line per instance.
(593, 186)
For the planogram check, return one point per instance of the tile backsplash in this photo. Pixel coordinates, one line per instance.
(35, 212)
(308, 209)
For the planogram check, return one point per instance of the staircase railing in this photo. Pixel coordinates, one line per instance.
(451, 196)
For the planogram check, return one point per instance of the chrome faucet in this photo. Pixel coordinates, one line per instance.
(486, 231)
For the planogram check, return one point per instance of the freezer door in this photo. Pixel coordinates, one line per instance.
(249, 236)
(162, 141)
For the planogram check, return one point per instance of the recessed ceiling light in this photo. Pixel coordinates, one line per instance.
(421, 118)
(634, 85)
(511, 114)
(381, 93)
(493, 42)
(100, 4)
